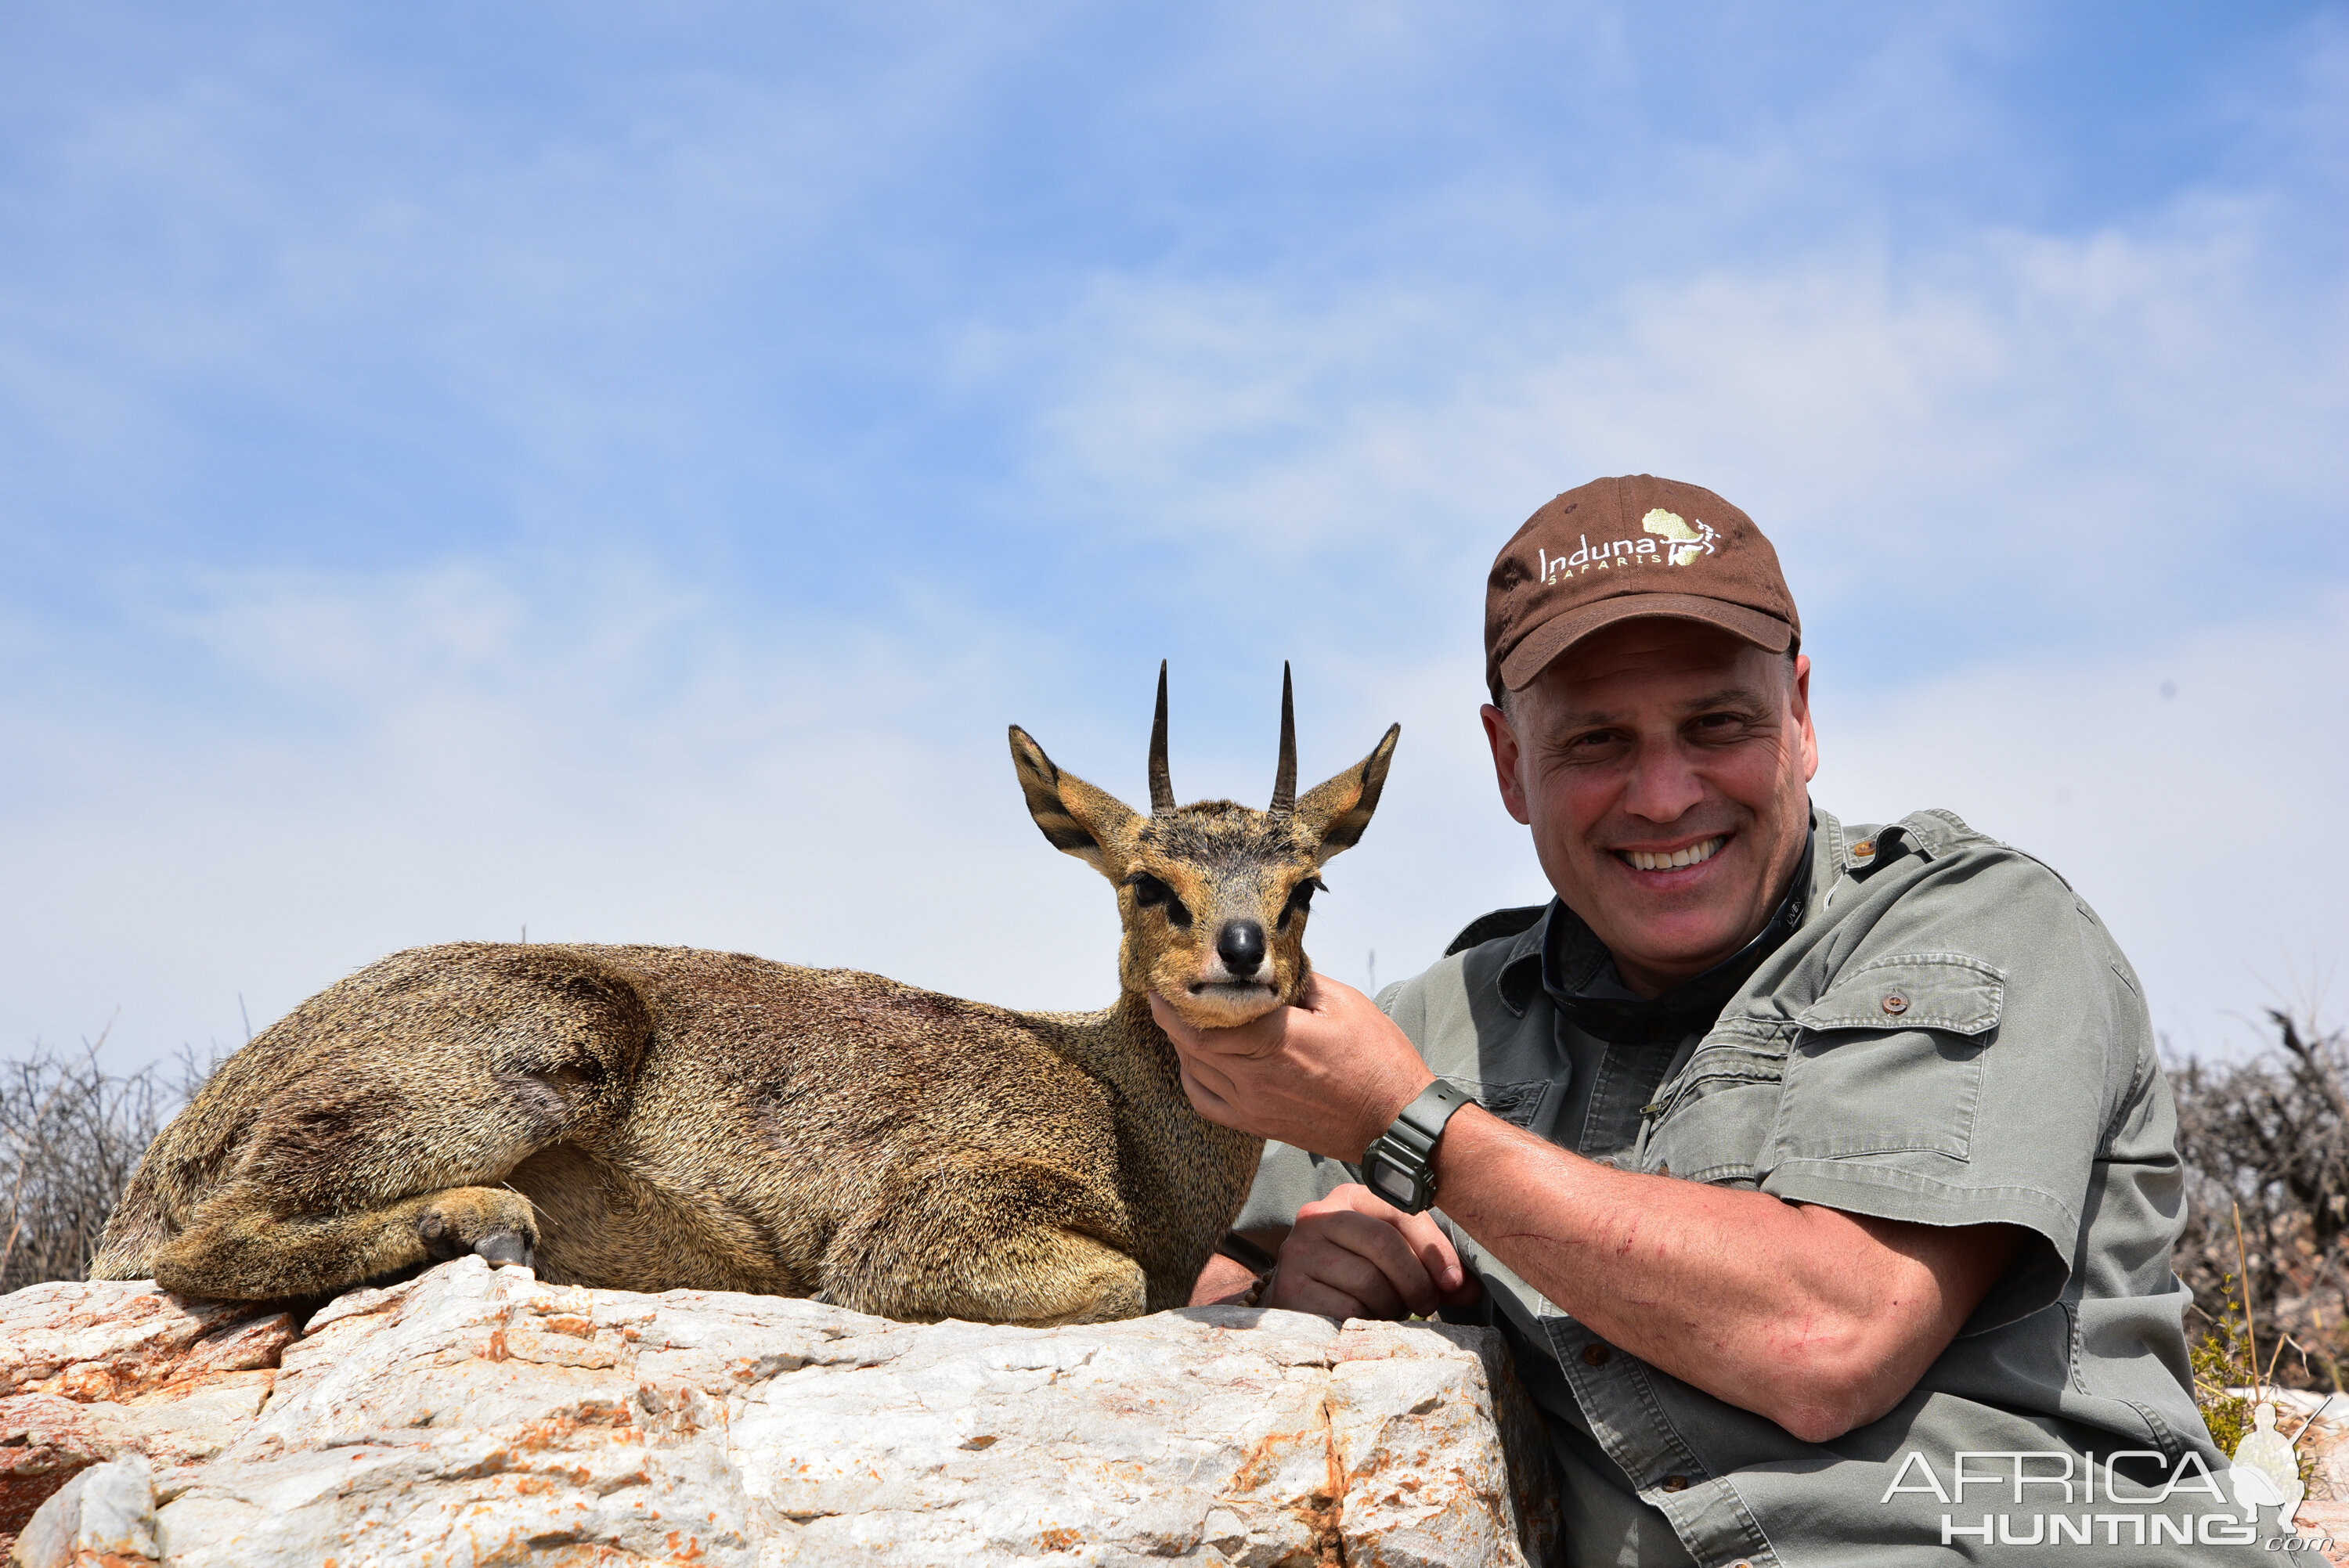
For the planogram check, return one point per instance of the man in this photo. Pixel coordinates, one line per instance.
(1821, 1178)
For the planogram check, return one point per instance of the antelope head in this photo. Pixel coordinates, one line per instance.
(1214, 895)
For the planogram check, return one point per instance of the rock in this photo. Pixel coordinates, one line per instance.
(89, 1371)
(113, 1339)
(477, 1415)
(46, 1440)
(103, 1518)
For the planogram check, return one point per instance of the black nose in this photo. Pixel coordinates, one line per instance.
(1241, 944)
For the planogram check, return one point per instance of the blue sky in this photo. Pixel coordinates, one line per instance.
(618, 470)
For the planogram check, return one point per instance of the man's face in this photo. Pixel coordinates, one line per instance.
(1657, 741)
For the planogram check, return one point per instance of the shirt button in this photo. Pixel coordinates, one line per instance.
(1895, 1003)
(1742, 1563)
(1595, 1355)
(1863, 850)
(1676, 1483)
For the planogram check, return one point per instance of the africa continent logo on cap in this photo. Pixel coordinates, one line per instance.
(1683, 544)
(1668, 525)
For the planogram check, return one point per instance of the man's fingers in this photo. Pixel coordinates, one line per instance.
(1212, 1091)
(1302, 1293)
(1171, 1021)
(1318, 1271)
(1469, 1292)
(1433, 1249)
(1360, 1290)
(1364, 1255)
(1210, 1105)
(1455, 1285)
(1420, 1233)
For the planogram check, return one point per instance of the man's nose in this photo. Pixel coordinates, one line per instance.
(1241, 944)
(1663, 785)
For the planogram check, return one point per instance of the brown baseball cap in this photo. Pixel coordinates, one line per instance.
(1616, 549)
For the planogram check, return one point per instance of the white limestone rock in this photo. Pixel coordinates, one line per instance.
(103, 1518)
(88, 1372)
(473, 1416)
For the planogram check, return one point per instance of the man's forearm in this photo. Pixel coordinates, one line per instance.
(1816, 1319)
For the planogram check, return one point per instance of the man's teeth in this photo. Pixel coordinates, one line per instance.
(1642, 860)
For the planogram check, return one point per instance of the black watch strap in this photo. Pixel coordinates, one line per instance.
(1399, 1167)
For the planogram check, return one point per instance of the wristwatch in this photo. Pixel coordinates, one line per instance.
(1400, 1166)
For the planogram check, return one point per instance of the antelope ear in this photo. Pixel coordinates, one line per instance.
(1338, 812)
(1091, 824)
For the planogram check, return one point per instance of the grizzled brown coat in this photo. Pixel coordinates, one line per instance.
(663, 1118)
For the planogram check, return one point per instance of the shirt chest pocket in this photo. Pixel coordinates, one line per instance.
(1889, 1061)
(1708, 1123)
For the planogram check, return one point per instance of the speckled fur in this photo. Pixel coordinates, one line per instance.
(664, 1118)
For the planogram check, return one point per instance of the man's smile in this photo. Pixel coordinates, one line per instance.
(1673, 859)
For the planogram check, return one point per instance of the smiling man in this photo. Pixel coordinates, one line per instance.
(1821, 1177)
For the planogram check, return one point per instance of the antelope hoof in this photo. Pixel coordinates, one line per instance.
(504, 1249)
(487, 1223)
(440, 1239)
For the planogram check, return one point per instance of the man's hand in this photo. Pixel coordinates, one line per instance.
(1818, 1320)
(1326, 1074)
(1354, 1255)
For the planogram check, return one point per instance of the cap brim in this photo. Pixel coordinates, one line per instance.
(1552, 637)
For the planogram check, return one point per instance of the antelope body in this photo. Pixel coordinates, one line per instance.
(664, 1118)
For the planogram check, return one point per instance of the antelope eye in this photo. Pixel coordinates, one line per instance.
(1149, 891)
(1300, 899)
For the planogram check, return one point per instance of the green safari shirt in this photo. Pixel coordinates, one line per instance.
(1945, 1036)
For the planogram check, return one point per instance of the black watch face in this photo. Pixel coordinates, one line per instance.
(1391, 1184)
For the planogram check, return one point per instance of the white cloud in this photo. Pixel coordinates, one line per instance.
(2034, 426)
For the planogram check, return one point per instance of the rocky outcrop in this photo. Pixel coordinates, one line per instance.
(92, 1371)
(476, 1416)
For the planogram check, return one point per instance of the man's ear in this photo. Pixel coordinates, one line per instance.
(1338, 812)
(1802, 706)
(1091, 824)
(1501, 734)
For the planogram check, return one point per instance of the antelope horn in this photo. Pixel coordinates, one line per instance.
(1161, 788)
(1284, 782)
